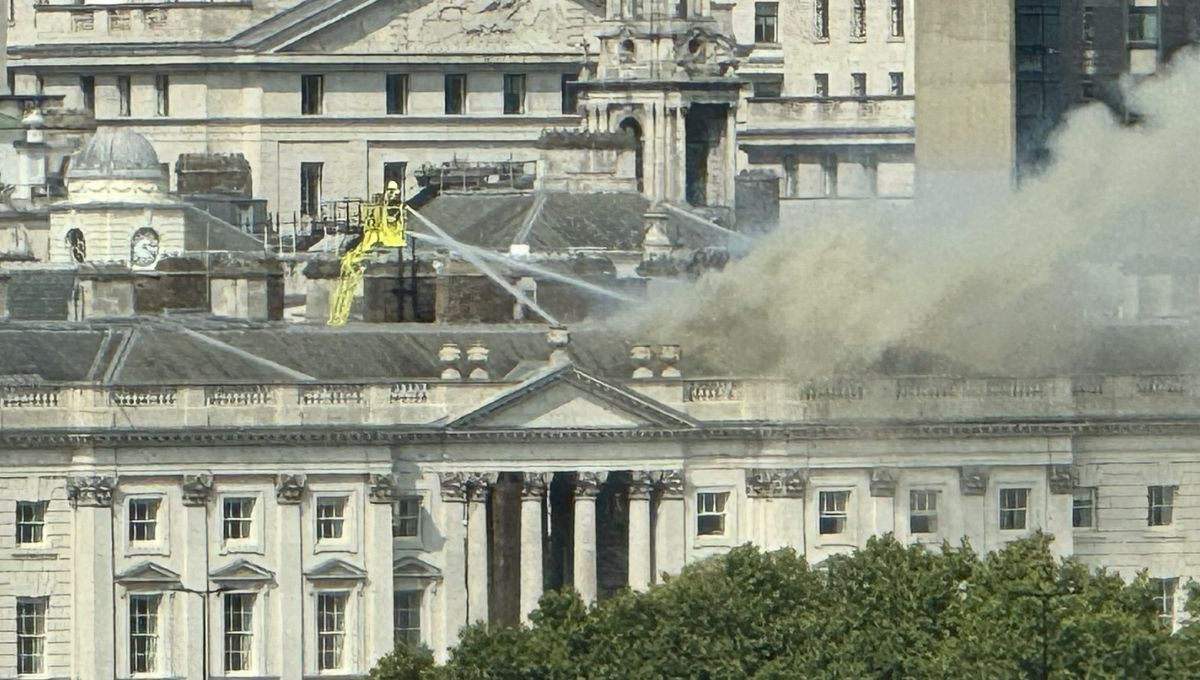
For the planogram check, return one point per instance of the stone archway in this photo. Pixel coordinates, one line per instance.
(631, 126)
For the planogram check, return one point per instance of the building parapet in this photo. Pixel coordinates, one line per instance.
(778, 114)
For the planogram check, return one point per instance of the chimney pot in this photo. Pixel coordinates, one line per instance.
(670, 355)
(640, 356)
(559, 337)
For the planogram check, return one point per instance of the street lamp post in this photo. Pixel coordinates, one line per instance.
(203, 622)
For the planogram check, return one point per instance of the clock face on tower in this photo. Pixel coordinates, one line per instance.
(143, 248)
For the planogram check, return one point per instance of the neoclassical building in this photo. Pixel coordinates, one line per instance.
(182, 498)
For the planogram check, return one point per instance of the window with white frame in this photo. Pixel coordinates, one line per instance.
(331, 630)
(331, 517)
(143, 520)
(710, 513)
(1083, 508)
(922, 511)
(31, 636)
(833, 515)
(31, 522)
(406, 618)
(1160, 502)
(766, 22)
(1014, 505)
(143, 633)
(237, 518)
(1164, 598)
(407, 521)
(239, 631)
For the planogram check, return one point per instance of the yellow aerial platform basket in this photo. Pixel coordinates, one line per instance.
(383, 226)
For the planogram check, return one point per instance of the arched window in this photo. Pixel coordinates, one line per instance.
(628, 51)
(631, 127)
(76, 245)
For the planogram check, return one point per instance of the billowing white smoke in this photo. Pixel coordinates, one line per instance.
(986, 283)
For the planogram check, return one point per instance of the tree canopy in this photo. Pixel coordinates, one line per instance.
(885, 611)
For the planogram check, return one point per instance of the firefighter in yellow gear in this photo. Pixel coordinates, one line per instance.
(382, 227)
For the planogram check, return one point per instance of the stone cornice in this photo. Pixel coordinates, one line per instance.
(318, 434)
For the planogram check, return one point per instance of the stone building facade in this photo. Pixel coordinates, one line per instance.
(222, 503)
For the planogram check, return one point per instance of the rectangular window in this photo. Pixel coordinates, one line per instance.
(143, 633)
(312, 95)
(238, 517)
(710, 514)
(768, 88)
(239, 631)
(1164, 598)
(858, 19)
(123, 96)
(1083, 508)
(331, 630)
(456, 94)
(858, 84)
(514, 93)
(143, 519)
(922, 512)
(833, 512)
(1161, 503)
(896, 83)
(407, 522)
(570, 94)
(397, 94)
(1013, 506)
(331, 518)
(897, 19)
(821, 19)
(681, 9)
(1089, 25)
(821, 84)
(1143, 25)
(87, 87)
(162, 88)
(766, 22)
(406, 617)
(31, 635)
(310, 189)
(31, 522)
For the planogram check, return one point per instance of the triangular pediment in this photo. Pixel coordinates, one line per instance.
(147, 573)
(336, 570)
(412, 567)
(425, 27)
(568, 398)
(242, 572)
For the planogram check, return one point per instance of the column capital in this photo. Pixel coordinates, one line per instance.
(92, 491)
(670, 483)
(641, 484)
(883, 482)
(459, 487)
(534, 484)
(383, 489)
(289, 489)
(587, 483)
(776, 482)
(973, 481)
(197, 490)
(1060, 478)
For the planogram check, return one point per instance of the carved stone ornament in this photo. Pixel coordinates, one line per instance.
(383, 489)
(641, 484)
(463, 486)
(90, 491)
(973, 481)
(775, 483)
(883, 482)
(197, 489)
(587, 484)
(289, 490)
(1060, 478)
(534, 484)
(670, 483)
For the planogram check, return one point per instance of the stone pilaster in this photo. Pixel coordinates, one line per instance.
(453, 523)
(670, 524)
(93, 549)
(883, 499)
(289, 495)
(775, 499)
(196, 492)
(533, 500)
(973, 485)
(640, 488)
(587, 487)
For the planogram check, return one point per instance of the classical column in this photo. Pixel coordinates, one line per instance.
(728, 178)
(670, 524)
(478, 487)
(679, 136)
(382, 496)
(289, 494)
(453, 524)
(91, 498)
(640, 487)
(587, 487)
(533, 497)
(196, 491)
(776, 500)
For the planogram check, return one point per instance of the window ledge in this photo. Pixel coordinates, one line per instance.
(895, 39)
(40, 552)
(248, 549)
(339, 547)
(159, 550)
(714, 541)
(821, 41)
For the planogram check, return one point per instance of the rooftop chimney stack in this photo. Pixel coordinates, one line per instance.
(640, 356)
(670, 355)
(449, 355)
(559, 337)
(477, 356)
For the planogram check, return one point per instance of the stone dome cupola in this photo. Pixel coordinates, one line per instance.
(116, 153)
